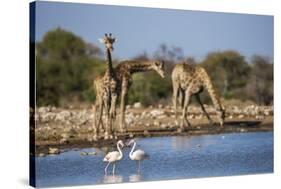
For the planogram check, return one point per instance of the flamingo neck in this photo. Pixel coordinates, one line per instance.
(132, 150)
(120, 151)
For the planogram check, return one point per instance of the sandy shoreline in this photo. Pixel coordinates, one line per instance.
(72, 128)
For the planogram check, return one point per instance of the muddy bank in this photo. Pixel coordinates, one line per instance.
(57, 129)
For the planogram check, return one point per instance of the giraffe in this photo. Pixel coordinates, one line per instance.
(105, 88)
(189, 80)
(124, 71)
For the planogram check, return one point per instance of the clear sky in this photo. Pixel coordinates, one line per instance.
(144, 29)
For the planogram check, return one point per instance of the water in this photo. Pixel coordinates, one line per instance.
(170, 158)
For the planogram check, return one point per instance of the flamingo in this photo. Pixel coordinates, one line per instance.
(137, 155)
(113, 157)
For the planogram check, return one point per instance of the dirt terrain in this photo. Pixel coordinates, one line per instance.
(60, 128)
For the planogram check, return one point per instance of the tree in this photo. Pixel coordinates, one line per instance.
(65, 68)
(228, 71)
(260, 85)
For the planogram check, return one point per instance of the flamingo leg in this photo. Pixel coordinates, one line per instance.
(113, 170)
(139, 167)
(105, 170)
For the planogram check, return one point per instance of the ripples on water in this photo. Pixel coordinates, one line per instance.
(170, 158)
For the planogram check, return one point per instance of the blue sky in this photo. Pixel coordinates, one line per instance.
(144, 29)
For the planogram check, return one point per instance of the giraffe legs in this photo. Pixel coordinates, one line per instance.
(98, 112)
(181, 97)
(95, 127)
(122, 126)
(107, 119)
(175, 96)
(184, 112)
(112, 113)
(203, 108)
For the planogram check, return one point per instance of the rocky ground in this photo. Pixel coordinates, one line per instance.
(58, 128)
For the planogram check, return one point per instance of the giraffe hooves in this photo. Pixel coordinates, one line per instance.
(122, 130)
(181, 129)
(211, 123)
(106, 136)
(95, 138)
(102, 130)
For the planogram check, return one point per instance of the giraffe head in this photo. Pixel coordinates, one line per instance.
(108, 41)
(158, 66)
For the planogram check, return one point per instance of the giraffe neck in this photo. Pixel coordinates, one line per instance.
(109, 70)
(139, 66)
(210, 88)
(215, 100)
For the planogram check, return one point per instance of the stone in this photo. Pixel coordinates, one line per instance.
(63, 141)
(241, 116)
(137, 105)
(160, 106)
(84, 153)
(65, 135)
(88, 153)
(143, 114)
(146, 133)
(157, 123)
(54, 151)
(192, 116)
(41, 155)
(259, 117)
(164, 126)
(156, 112)
(131, 135)
(243, 130)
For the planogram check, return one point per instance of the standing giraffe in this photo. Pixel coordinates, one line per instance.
(191, 80)
(124, 71)
(106, 93)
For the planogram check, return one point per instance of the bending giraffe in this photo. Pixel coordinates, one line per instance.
(106, 92)
(189, 80)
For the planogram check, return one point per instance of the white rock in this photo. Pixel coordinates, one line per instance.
(54, 151)
(243, 130)
(157, 123)
(137, 105)
(41, 155)
(259, 117)
(241, 116)
(160, 106)
(156, 112)
(63, 140)
(65, 135)
(191, 116)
